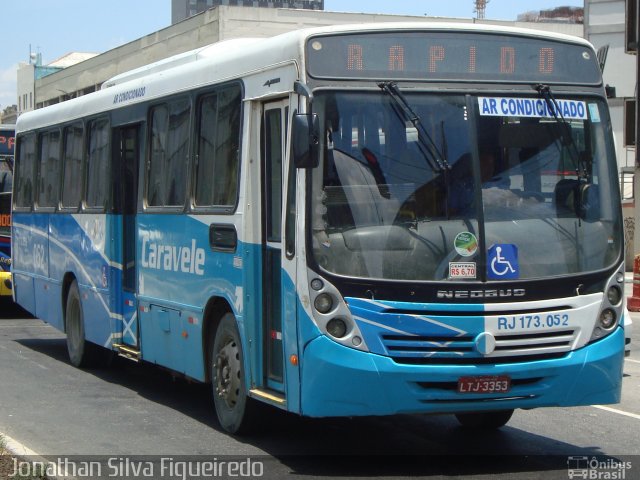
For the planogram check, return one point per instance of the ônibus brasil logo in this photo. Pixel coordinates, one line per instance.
(594, 468)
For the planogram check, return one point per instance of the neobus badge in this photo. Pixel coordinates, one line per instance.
(172, 258)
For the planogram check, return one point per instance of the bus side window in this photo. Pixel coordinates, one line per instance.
(25, 171)
(167, 173)
(49, 171)
(155, 184)
(206, 146)
(218, 151)
(72, 166)
(178, 137)
(6, 178)
(98, 163)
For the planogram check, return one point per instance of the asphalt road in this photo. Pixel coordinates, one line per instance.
(136, 409)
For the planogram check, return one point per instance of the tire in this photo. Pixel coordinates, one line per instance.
(485, 420)
(235, 410)
(82, 353)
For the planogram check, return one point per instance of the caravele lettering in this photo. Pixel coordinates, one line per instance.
(130, 95)
(172, 258)
(498, 293)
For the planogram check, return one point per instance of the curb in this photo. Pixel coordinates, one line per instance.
(21, 451)
(18, 449)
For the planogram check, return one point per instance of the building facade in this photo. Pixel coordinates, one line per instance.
(210, 26)
(605, 28)
(30, 73)
(183, 9)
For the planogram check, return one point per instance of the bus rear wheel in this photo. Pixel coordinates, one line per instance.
(235, 410)
(485, 420)
(81, 352)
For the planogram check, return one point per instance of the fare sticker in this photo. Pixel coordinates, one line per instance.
(458, 270)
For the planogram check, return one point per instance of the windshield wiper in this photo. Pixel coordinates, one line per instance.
(565, 130)
(426, 144)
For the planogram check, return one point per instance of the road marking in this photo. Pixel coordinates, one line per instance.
(22, 356)
(20, 450)
(619, 412)
(17, 448)
(632, 361)
(25, 325)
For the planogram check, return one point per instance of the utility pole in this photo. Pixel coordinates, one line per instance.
(481, 6)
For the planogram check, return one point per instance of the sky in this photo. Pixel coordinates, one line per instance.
(57, 27)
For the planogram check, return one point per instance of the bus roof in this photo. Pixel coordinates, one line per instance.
(227, 60)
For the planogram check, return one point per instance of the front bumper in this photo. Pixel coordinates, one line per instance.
(340, 381)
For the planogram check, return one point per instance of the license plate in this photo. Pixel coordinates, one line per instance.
(487, 384)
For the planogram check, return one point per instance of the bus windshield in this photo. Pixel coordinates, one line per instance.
(525, 174)
(6, 182)
(6, 175)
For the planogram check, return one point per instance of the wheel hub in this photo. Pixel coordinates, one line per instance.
(227, 369)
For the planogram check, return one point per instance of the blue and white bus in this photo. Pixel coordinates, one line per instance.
(7, 142)
(340, 221)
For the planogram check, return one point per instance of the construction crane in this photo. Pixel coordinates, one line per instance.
(481, 6)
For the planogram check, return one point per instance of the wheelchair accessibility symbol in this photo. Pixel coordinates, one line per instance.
(502, 262)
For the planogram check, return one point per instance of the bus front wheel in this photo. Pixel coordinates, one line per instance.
(81, 352)
(233, 406)
(485, 420)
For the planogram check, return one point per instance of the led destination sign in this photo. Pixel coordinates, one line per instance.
(7, 142)
(449, 56)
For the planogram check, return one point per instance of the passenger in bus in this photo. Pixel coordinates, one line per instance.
(496, 184)
(462, 185)
(489, 176)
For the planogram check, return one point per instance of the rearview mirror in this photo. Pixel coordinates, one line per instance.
(305, 140)
(589, 202)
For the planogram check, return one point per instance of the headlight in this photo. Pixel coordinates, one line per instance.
(331, 313)
(614, 295)
(612, 306)
(336, 327)
(323, 303)
(608, 319)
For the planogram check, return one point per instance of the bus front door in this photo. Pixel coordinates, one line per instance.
(127, 149)
(273, 141)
